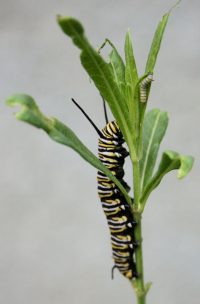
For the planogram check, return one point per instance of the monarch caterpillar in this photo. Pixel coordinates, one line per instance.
(143, 87)
(119, 216)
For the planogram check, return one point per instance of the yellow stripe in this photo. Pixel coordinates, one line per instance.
(114, 246)
(101, 144)
(112, 212)
(117, 230)
(114, 127)
(110, 201)
(124, 237)
(105, 195)
(128, 274)
(111, 160)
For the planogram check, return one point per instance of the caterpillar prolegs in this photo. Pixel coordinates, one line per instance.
(118, 214)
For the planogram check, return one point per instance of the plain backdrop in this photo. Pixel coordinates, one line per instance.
(54, 240)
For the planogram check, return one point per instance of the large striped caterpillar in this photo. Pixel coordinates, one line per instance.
(119, 216)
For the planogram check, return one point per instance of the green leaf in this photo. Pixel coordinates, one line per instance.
(131, 75)
(154, 128)
(99, 71)
(155, 46)
(157, 39)
(118, 69)
(170, 161)
(31, 114)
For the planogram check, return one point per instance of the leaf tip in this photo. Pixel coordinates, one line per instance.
(175, 5)
(186, 166)
(148, 286)
(70, 25)
(24, 101)
(20, 99)
(58, 16)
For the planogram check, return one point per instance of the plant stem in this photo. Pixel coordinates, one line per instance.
(136, 182)
(138, 283)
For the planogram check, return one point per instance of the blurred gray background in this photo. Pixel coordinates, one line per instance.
(54, 240)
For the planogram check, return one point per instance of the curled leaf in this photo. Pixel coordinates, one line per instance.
(170, 161)
(59, 132)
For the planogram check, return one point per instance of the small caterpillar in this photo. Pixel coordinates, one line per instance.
(119, 216)
(143, 87)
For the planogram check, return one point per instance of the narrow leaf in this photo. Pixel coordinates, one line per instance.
(156, 43)
(116, 65)
(170, 161)
(131, 75)
(99, 71)
(154, 128)
(59, 132)
(130, 69)
(118, 69)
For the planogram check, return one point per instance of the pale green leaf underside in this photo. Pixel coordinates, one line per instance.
(154, 128)
(99, 71)
(170, 161)
(59, 132)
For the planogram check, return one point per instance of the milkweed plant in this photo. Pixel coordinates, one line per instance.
(126, 94)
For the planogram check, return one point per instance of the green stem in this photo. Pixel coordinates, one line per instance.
(138, 283)
(136, 182)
